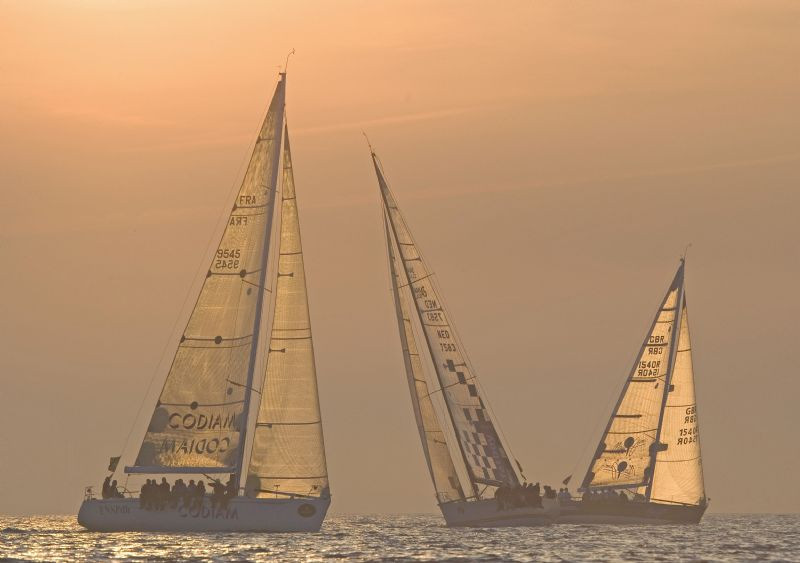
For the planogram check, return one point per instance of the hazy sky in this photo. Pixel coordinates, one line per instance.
(553, 159)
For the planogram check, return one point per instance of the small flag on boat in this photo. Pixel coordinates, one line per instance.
(565, 482)
(521, 471)
(112, 463)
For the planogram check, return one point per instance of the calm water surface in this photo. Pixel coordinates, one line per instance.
(739, 537)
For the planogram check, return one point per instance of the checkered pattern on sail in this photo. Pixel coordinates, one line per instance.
(481, 445)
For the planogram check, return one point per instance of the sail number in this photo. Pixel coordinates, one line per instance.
(689, 436)
(656, 350)
(648, 368)
(444, 334)
(692, 433)
(227, 259)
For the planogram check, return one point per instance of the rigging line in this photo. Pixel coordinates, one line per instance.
(441, 389)
(256, 285)
(243, 386)
(223, 214)
(273, 265)
(416, 280)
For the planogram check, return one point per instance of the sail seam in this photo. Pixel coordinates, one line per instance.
(202, 404)
(678, 460)
(288, 423)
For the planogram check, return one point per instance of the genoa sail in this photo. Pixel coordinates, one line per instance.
(288, 452)
(199, 422)
(434, 444)
(484, 455)
(678, 475)
(624, 458)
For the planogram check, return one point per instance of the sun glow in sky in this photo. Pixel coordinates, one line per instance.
(553, 159)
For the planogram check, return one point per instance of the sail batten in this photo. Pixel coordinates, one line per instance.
(482, 450)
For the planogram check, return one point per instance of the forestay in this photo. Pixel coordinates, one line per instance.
(434, 444)
(288, 453)
(485, 457)
(678, 475)
(198, 420)
(624, 457)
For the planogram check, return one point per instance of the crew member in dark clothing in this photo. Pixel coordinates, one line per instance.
(200, 493)
(106, 486)
(144, 494)
(217, 494)
(230, 487)
(113, 492)
(163, 494)
(177, 493)
(188, 497)
(532, 497)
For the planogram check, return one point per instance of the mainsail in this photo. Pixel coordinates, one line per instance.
(199, 421)
(434, 444)
(485, 458)
(654, 423)
(288, 453)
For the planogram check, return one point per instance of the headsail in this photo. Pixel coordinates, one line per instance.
(678, 475)
(198, 424)
(434, 445)
(624, 458)
(484, 455)
(288, 454)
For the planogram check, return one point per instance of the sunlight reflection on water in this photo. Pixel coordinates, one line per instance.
(416, 537)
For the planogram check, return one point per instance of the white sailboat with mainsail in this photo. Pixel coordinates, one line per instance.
(203, 424)
(647, 467)
(460, 438)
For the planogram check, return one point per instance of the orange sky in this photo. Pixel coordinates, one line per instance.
(553, 158)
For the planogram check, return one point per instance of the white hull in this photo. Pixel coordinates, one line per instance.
(243, 514)
(485, 514)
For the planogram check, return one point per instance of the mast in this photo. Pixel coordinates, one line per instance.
(441, 468)
(429, 345)
(277, 135)
(668, 379)
(483, 452)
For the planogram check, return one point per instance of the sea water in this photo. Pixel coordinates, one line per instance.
(417, 537)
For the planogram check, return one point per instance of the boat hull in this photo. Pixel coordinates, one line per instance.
(242, 515)
(629, 513)
(485, 514)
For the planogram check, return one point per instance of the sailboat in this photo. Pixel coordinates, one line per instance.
(647, 468)
(203, 424)
(467, 459)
